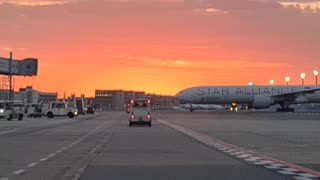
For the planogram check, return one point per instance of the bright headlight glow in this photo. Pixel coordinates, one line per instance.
(1, 111)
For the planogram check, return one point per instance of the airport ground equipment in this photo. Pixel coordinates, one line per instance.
(140, 112)
(34, 110)
(11, 110)
(54, 109)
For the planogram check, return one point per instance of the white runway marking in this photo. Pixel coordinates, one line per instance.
(279, 165)
(252, 159)
(19, 172)
(244, 156)
(51, 155)
(308, 175)
(230, 151)
(263, 162)
(272, 167)
(302, 178)
(236, 153)
(43, 159)
(32, 165)
(290, 169)
(287, 172)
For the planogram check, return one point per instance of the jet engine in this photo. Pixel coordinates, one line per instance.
(261, 102)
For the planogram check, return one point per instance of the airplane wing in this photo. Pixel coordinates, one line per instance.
(292, 96)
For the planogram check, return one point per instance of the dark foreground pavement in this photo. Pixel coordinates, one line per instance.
(105, 147)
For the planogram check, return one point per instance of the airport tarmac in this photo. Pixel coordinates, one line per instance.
(179, 145)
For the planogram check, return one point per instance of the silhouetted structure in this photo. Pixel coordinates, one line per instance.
(160, 102)
(115, 100)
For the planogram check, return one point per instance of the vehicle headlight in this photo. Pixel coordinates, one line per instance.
(76, 113)
(1, 111)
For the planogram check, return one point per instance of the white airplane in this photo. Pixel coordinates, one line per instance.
(257, 97)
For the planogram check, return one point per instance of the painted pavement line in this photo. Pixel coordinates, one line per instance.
(279, 166)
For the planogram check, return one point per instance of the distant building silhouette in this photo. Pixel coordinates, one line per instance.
(29, 95)
(160, 102)
(115, 100)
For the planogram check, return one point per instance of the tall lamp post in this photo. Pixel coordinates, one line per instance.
(303, 75)
(287, 80)
(315, 73)
(271, 82)
(10, 78)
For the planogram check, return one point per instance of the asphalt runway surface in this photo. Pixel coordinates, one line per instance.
(179, 145)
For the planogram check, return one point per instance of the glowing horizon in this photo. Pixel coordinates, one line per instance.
(160, 46)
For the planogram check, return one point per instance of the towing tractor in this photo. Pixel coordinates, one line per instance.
(54, 109)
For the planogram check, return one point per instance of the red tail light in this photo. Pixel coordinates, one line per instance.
(148, 116)
(132, 116)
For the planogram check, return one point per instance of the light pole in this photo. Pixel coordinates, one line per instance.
(315, 73)
(303, 75)
(287, 80)
(10, 78)
(271, 82)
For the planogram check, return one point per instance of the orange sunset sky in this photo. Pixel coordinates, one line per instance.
(160, 46)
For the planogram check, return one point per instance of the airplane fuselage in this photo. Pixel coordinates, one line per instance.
(243, 94)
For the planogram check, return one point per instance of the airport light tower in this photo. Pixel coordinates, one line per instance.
(315, 73)
(303, 75)
(287, 80)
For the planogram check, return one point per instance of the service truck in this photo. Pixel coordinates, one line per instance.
(54, 109)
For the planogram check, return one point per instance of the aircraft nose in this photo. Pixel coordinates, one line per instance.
(179, 96)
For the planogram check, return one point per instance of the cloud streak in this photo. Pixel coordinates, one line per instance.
(32, 2)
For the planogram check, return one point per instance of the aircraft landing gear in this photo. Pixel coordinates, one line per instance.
(191, 108)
